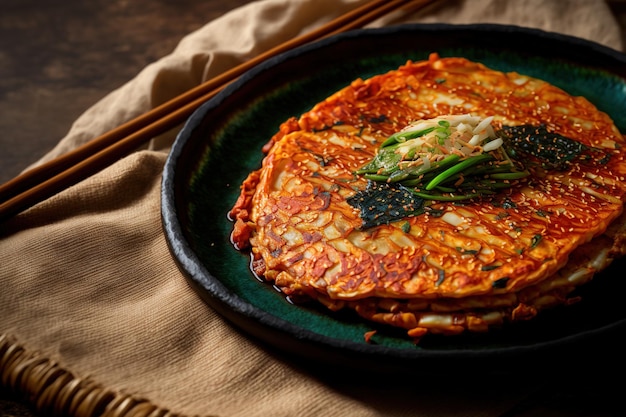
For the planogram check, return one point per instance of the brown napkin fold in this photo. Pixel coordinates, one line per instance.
(88, 285)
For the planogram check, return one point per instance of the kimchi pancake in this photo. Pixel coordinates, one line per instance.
(318, 226)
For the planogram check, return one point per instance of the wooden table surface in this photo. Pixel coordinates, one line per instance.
(58, 57)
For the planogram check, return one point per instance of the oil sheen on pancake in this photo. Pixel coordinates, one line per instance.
(440, 197)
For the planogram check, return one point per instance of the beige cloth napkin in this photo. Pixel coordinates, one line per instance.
(91, 301)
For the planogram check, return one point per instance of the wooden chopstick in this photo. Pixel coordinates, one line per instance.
(45, 180)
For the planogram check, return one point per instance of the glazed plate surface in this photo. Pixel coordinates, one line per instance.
(221, 143)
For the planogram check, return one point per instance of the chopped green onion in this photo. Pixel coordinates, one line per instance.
(406, 135)
(412, 173)
(441, 197)
(375, 177)
(441, 278)
(510, 175)
(490, 267)
(466, 163)
(500, 283)
(535, 241)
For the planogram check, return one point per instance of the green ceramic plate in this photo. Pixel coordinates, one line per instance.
(221, 143)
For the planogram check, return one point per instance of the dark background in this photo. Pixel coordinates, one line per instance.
(58, 57)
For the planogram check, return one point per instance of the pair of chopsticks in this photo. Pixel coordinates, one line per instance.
(48, 179)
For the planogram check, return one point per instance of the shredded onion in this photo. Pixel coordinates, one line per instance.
(483, 125)
(475, 140)
(492, 145)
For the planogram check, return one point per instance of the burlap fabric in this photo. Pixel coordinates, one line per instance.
(96, 317)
